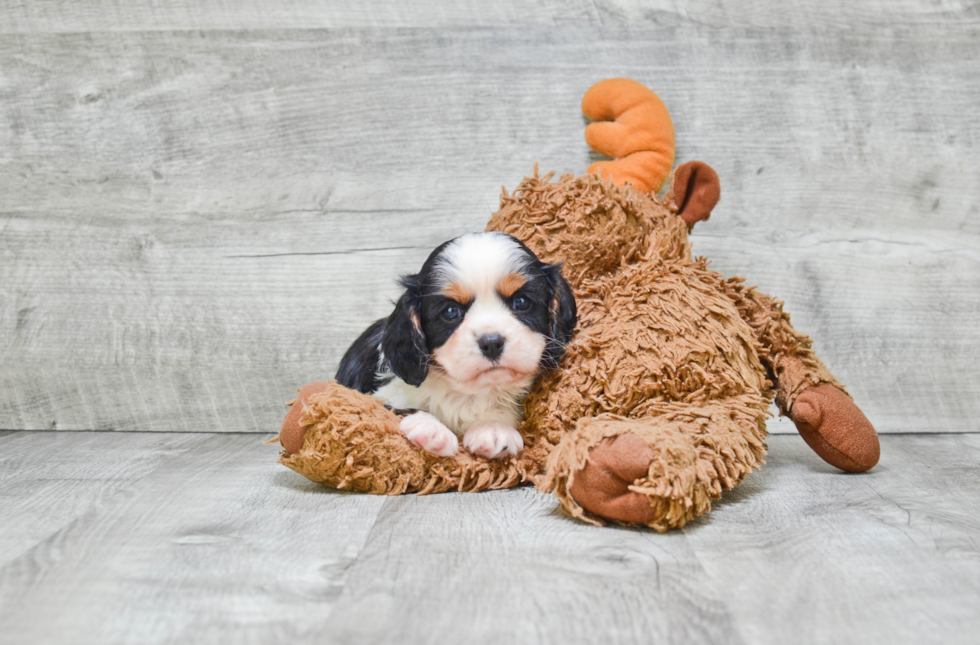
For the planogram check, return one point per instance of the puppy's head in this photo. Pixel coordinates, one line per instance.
(482, 311)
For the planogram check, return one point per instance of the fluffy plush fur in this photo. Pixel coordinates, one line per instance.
(660, 400)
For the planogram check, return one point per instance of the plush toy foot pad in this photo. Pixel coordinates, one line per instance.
(602, 486)
(836, 429)
(291, 434)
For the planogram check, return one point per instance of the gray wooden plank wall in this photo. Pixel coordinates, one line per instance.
(201, 206)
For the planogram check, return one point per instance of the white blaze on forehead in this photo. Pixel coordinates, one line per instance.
(479, 261)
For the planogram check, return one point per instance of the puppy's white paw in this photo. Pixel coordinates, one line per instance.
(492, 440)
(429, 434)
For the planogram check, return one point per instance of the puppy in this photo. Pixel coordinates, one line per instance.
(465, 342)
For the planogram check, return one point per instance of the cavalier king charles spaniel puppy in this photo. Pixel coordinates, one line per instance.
(464, 344)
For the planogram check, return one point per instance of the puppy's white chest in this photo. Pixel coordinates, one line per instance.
(457, 410)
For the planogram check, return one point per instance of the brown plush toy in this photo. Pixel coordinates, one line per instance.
(660, 401)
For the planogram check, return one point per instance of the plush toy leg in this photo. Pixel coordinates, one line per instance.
(347, 440)
(661, 472)
(806, 391)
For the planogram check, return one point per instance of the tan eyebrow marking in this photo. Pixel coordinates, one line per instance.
(510, 283)
(458, 292)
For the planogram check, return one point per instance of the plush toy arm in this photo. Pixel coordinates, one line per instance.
(787, 354)
(344, 439)
(806, 391)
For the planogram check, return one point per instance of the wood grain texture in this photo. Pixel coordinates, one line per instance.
(197, 217)
(47, 484)
(845, 557)
(144, 15)
(218, 544)
(112, 15)
(198, 538)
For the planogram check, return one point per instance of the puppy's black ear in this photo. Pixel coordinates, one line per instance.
(403, 341)
(562, 315)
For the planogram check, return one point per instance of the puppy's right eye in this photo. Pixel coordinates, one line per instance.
(452, 313)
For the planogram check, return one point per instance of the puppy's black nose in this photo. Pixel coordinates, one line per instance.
(492, 346)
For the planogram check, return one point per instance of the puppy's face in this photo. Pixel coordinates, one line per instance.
(482, 311)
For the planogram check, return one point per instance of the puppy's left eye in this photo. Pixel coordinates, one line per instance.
(452, 313)
(520, 303)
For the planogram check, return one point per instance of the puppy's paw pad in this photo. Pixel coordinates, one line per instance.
(493, 440)
(429, 434)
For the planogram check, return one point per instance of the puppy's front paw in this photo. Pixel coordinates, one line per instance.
(492, 440)
(429, 434)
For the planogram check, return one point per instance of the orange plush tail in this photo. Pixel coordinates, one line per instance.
(634, 128)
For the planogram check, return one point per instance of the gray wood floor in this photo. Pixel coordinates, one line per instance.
(181, 538)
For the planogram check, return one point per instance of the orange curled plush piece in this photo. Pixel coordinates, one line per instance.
(633, 127)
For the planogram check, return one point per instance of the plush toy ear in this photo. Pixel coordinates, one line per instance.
(696, 190)
(403, 341)
(562, 315)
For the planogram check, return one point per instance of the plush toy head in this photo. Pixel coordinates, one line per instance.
(595, 227)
